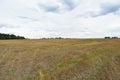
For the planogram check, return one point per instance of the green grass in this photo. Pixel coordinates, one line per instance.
(69, 63)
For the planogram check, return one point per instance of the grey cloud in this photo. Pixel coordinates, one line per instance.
(109, 8)
(3, 25)
(8, 26)
(22, 17)
(66, 5)
(49, 8)
(70, 4)
(105, 9)
(117, 12)
(28, 18)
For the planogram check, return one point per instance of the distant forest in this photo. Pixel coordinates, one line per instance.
(10, 36)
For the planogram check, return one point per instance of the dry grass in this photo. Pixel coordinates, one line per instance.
(65, 59)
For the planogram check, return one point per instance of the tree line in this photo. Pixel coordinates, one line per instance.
(10, 36)
(111, 37)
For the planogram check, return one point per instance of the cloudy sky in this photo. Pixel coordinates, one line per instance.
(65, 18)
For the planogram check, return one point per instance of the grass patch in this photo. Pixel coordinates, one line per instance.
(68, 63)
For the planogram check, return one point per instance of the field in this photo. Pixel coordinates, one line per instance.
(60, 59)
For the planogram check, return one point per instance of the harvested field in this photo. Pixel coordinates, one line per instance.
(60, 59)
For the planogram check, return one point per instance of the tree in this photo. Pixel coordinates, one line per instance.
(10, 36)
(107, 37)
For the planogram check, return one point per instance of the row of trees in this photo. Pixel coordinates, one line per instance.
(10, 36)
(111, 37)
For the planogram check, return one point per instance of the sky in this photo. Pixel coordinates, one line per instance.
(60, 18)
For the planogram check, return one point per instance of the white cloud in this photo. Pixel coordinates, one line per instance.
(65, 18)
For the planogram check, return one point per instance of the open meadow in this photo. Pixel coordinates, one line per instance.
(60, 59)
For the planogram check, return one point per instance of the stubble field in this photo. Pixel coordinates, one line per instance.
(60, 59)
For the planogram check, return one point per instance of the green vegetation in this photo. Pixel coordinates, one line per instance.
(60, 59)
(69, 63)
(9, 36)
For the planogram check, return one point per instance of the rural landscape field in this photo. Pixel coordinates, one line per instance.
(60, 59)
